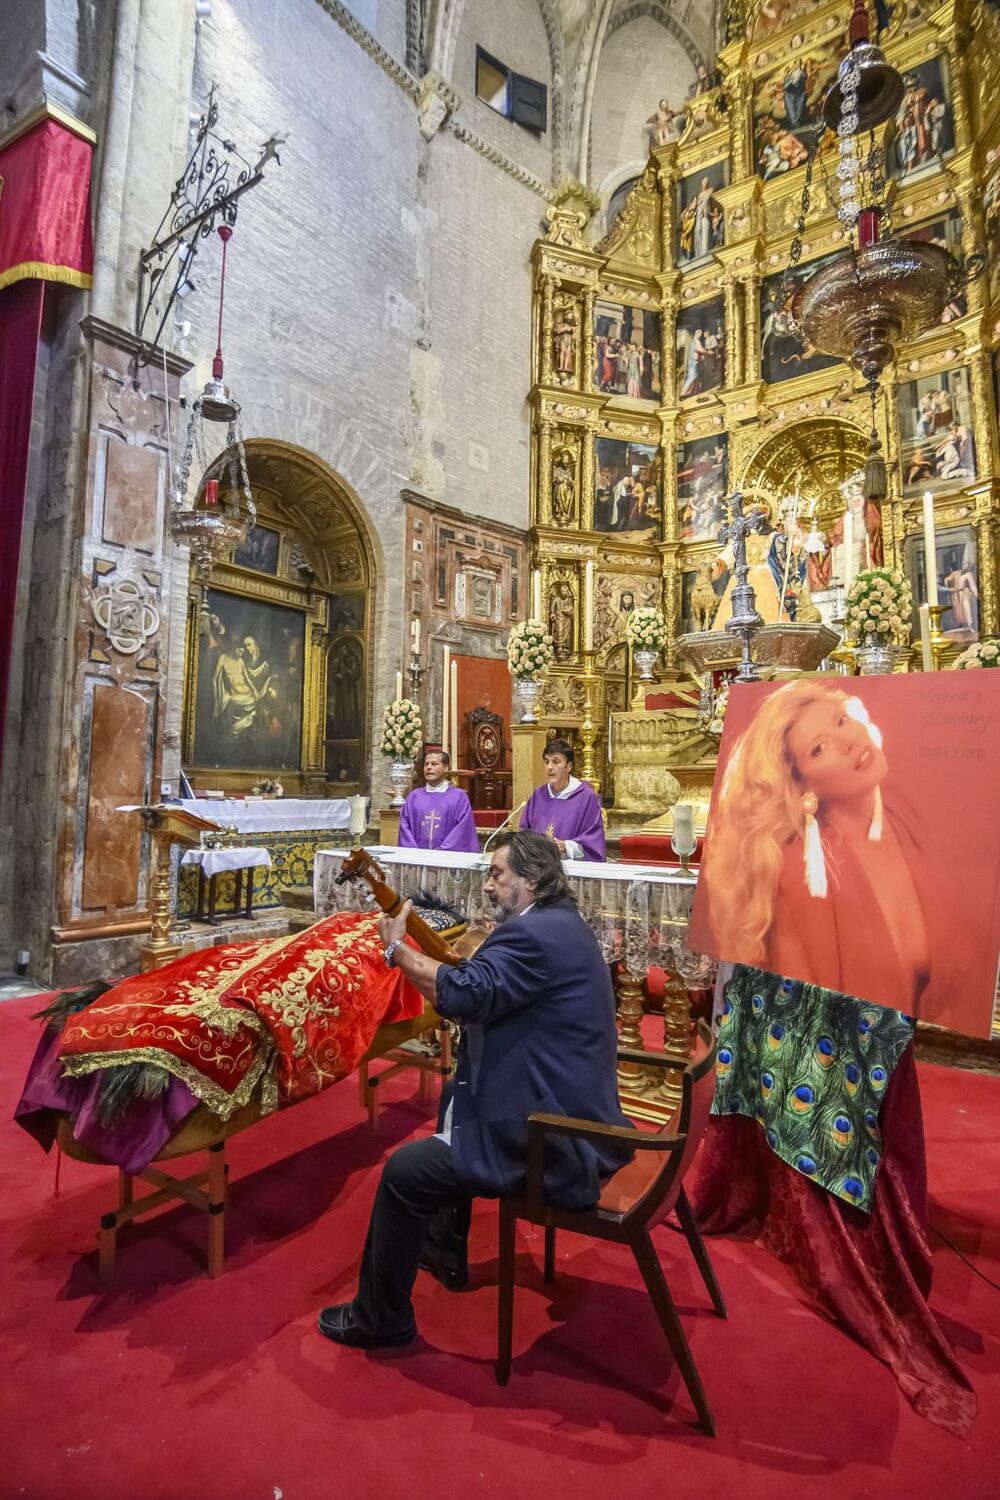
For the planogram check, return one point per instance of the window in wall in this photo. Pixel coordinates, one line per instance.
(523, 100)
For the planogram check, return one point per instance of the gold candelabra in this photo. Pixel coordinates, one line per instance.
(593, 719)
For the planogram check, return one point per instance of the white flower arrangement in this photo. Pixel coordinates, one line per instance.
(646, 629)
(879, 606)
(529, 649)
(402, 731)
(267, 786)
(979, 654)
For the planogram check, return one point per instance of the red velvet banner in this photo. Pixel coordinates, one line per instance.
(45, 232)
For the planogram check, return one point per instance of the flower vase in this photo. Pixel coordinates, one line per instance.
(876, 657)
(645, 660)
(527, 694)
(400, 776)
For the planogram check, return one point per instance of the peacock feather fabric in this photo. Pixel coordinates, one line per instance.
(811, 1067)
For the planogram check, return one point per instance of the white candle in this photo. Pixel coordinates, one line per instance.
(445, 692)
(610, 746)
(536, 593)
(399, 684)
(415, 636)
(588, 606)
(930, 549)
(927, 655)
(453, 737)
(848, 550)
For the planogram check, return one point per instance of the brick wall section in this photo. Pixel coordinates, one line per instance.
(513, 33)
(639, 65)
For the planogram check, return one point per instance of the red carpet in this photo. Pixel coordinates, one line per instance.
(171, 1386)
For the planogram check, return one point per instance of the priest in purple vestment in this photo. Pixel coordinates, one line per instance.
(438, 815)
(565, 808)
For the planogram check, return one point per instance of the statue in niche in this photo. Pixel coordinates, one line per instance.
(704, 599)
(564, 341)
(562, 620)
(564, 487)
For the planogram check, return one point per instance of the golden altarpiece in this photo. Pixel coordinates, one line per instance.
(665, 375)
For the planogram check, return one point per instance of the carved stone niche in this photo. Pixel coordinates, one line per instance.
(478, 588)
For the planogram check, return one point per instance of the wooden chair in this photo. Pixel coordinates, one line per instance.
(632, 1203)
(486, 736)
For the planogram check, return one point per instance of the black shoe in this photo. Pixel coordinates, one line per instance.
(452, 1278)
(338, 1323)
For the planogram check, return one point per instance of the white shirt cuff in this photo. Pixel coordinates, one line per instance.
(573, 850)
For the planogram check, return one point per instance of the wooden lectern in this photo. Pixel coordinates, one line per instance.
(166, 826)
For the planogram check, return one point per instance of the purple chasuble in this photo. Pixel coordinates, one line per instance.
(577, 816)
(438, 820)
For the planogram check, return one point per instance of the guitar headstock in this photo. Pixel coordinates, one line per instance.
(359, 864)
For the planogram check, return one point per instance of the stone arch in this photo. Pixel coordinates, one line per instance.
(316, 553)
(605, 23)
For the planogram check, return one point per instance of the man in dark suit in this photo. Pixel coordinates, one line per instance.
(538, 1009)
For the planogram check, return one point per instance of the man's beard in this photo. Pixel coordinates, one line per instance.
(504, 913)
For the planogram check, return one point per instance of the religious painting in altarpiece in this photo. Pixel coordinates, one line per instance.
(248, 691)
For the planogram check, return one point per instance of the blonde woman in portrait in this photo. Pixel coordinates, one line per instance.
(816, 869)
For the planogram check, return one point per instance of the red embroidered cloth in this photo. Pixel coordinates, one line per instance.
(293, 1013)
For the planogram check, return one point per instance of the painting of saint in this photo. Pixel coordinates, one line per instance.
(701, 348)
(957, 579)
(925, 129)
(627, 351)
(787, 106)
(249, 689)
(701, 222)
(701, 591)
(947, 233)
(937, 450)
(782, 352)
(259, 550)
(627, 480)
(345, 687)
(774, 13)
(702, 479)
(346, 611)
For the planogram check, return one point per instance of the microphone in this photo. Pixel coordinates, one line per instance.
(500, 826)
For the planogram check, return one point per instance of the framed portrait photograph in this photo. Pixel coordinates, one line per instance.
(627, 486)
(937, 449)
(701, 219)
(702, 483)
(627, 351)
(248, 692)
(925, 127)
(782, 352)
(957, 569)
(701, 348)
(260, 550)
(825, 858)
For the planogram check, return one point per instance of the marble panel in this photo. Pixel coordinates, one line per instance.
(118, 753)
(131, 496)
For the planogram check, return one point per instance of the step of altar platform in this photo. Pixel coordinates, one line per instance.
(297, 897)
(273, 922)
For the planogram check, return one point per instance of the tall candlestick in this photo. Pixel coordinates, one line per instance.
(926, 654)
(453, 736)
(848, 551)
(536, 593)
(399, 684)
(445, 694)
(588, 606)
(930, 549)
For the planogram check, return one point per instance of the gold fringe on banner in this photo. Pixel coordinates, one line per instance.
(39, 270)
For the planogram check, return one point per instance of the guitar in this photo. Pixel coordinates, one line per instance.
(360, 865)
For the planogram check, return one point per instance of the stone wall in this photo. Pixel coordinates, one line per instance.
(514, 34)
(640, 64)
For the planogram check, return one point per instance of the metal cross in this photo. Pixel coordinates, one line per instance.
(744, 621)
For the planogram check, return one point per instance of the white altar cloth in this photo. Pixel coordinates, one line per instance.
(273, 815)
(217, 861)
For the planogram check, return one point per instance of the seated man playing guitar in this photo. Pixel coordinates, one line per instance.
(538, 980)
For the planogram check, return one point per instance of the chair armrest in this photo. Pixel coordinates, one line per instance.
(540, 1125)
(652, 1059)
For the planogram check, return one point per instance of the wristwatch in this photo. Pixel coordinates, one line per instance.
(388, 953)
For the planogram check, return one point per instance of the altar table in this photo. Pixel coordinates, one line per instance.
(271, 814)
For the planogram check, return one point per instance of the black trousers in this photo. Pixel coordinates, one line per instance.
(420, 1205)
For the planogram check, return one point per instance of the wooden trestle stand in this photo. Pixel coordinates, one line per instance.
(166, 826)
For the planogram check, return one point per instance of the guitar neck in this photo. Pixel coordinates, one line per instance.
(429, 941)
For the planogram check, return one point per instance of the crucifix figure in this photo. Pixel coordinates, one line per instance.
(744, 621)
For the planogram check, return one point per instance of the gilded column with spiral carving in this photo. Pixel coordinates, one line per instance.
(548, 294)
(668, 348)
(956, 37)
(751, 328)
(543, 510)
(587, 341)
(734, 332)
(986, 547)
(586, 508)
(671, 606)
(665, 179)
(983, 412)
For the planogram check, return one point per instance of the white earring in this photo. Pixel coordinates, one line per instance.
(815, 863)
(875, 826)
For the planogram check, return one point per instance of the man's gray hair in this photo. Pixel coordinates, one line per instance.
(535, 858)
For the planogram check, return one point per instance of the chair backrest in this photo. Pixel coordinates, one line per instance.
(485, 731)
(691, 1121)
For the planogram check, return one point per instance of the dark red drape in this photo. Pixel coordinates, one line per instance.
(20, 329)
